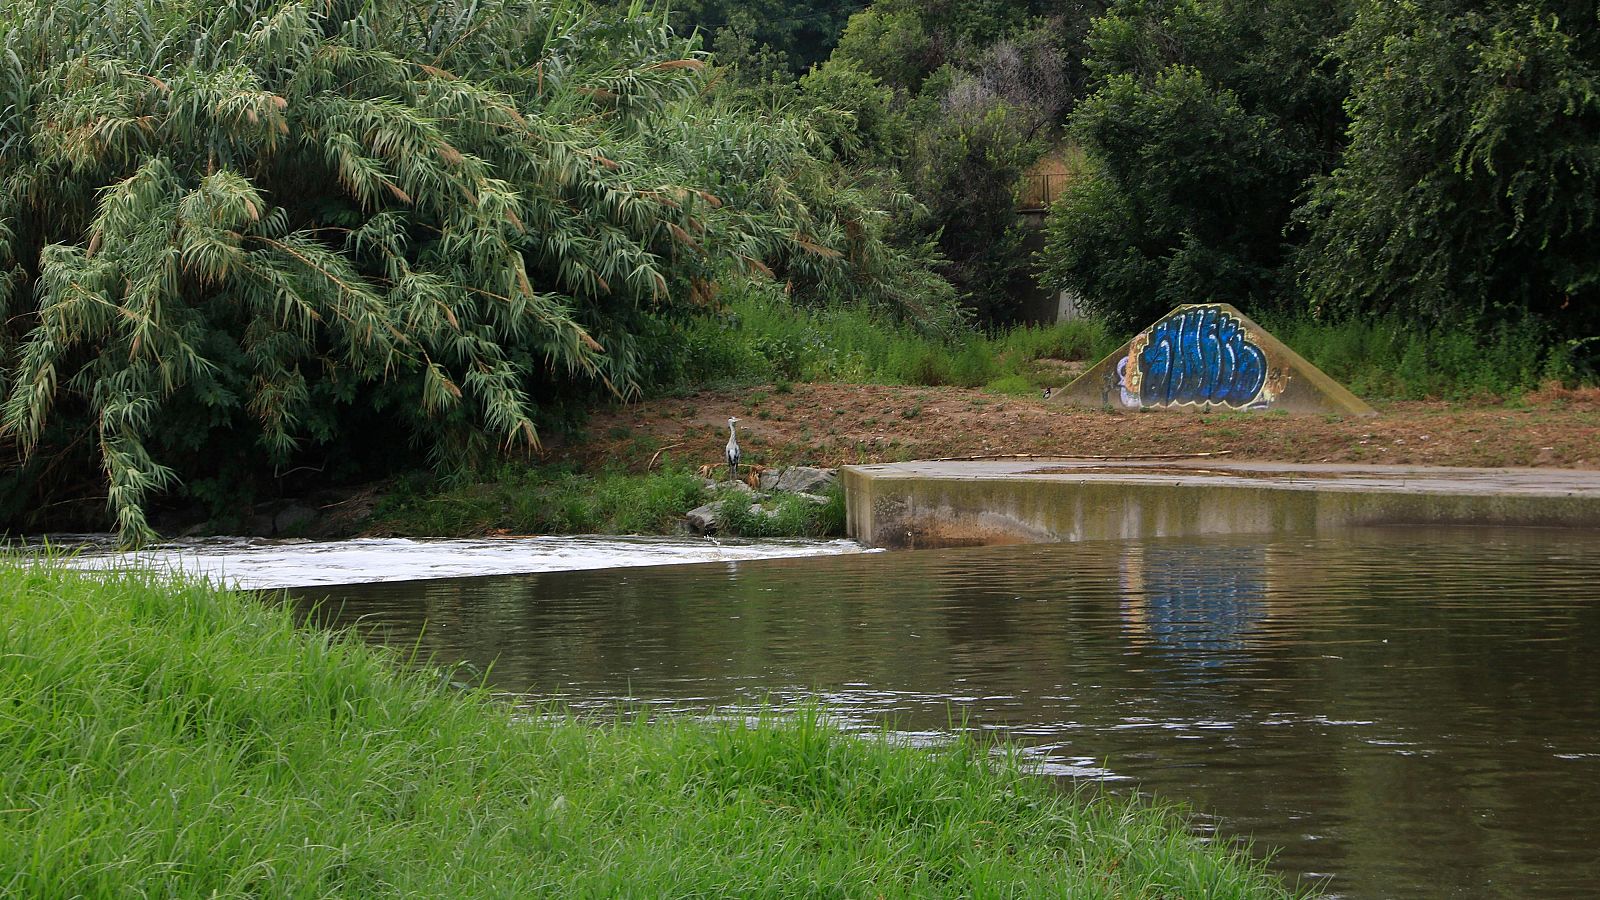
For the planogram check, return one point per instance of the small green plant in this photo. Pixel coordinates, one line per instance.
(1014, 385)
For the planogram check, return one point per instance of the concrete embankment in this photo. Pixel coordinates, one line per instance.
(975, 503)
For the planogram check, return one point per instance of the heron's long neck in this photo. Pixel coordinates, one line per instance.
(731, 434)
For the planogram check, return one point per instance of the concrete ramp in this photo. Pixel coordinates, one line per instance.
(1209, 356)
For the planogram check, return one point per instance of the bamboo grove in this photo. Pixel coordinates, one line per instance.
(265, 234)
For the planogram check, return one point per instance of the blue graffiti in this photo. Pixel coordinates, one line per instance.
(1200, 356)
(1202, 602)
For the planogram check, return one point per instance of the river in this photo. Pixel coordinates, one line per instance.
(1389, 712)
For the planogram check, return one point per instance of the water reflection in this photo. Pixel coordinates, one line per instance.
(1402, 713)
(1199, 603)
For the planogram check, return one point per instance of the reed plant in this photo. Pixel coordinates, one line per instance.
(165, 738)
(263, 236)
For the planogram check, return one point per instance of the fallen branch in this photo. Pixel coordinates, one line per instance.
(1076, 456)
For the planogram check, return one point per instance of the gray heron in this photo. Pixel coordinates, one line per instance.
(732, 453)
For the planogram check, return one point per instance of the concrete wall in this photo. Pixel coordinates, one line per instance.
(908, 509)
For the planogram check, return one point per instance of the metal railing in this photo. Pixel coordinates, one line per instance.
(1039, 191)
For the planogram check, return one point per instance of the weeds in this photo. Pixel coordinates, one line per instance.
(784, 515)
(764, 339)
(542, 501)
(559, 500)
(1386, 359)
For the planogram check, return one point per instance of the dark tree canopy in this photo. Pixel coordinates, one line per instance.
(1471, 183)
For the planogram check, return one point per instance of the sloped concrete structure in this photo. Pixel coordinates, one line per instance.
(1209, 356)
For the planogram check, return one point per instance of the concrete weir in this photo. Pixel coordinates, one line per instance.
(976, 503)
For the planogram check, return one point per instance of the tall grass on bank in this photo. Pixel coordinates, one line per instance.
(1387, 359)
(762, 338)
(170, 739)
(767, 339)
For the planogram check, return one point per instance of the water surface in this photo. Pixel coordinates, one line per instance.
(1399, 713)
(261, 564)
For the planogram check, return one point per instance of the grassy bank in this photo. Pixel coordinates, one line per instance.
(766, 339)
(175, 740)
(763, 339)
(560, 500)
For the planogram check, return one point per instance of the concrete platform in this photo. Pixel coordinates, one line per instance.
(960, 504)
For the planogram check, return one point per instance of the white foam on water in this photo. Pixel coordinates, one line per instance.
(259, 564)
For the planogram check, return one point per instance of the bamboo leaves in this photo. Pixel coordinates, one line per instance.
(268, 204)
(248, 226)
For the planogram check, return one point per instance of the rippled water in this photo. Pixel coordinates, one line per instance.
(1398, 713)
(257, 563)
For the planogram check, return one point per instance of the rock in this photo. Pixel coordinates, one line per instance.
(736, 487)
(818, 499)
(292, 517)
(705, 519)
(804, 480)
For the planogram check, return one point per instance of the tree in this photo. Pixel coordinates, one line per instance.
(1185, 202)
(1471, 185)
(1207, 119)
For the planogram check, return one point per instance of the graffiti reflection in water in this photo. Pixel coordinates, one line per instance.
(1199, 603)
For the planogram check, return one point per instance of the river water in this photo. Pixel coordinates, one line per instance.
(1393, 713)
(261, 564)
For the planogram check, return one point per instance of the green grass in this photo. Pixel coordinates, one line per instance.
(1386, 359)
(558, 500)
(163, 739)
(767, 339)
(764, 339)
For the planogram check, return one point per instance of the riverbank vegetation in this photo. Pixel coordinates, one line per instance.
(559, 500)
(169, 738)
(267, 247)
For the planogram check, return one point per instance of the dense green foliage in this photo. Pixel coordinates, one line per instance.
(1437, 161)
(264, 246)
(1471, 183)
(1206, 121)
(174, 740)
(276, 236)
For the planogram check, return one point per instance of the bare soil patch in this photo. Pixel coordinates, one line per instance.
(833, 424)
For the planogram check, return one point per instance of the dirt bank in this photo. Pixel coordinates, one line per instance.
(832, 424)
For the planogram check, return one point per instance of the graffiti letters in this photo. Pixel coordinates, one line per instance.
(1198, 355)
